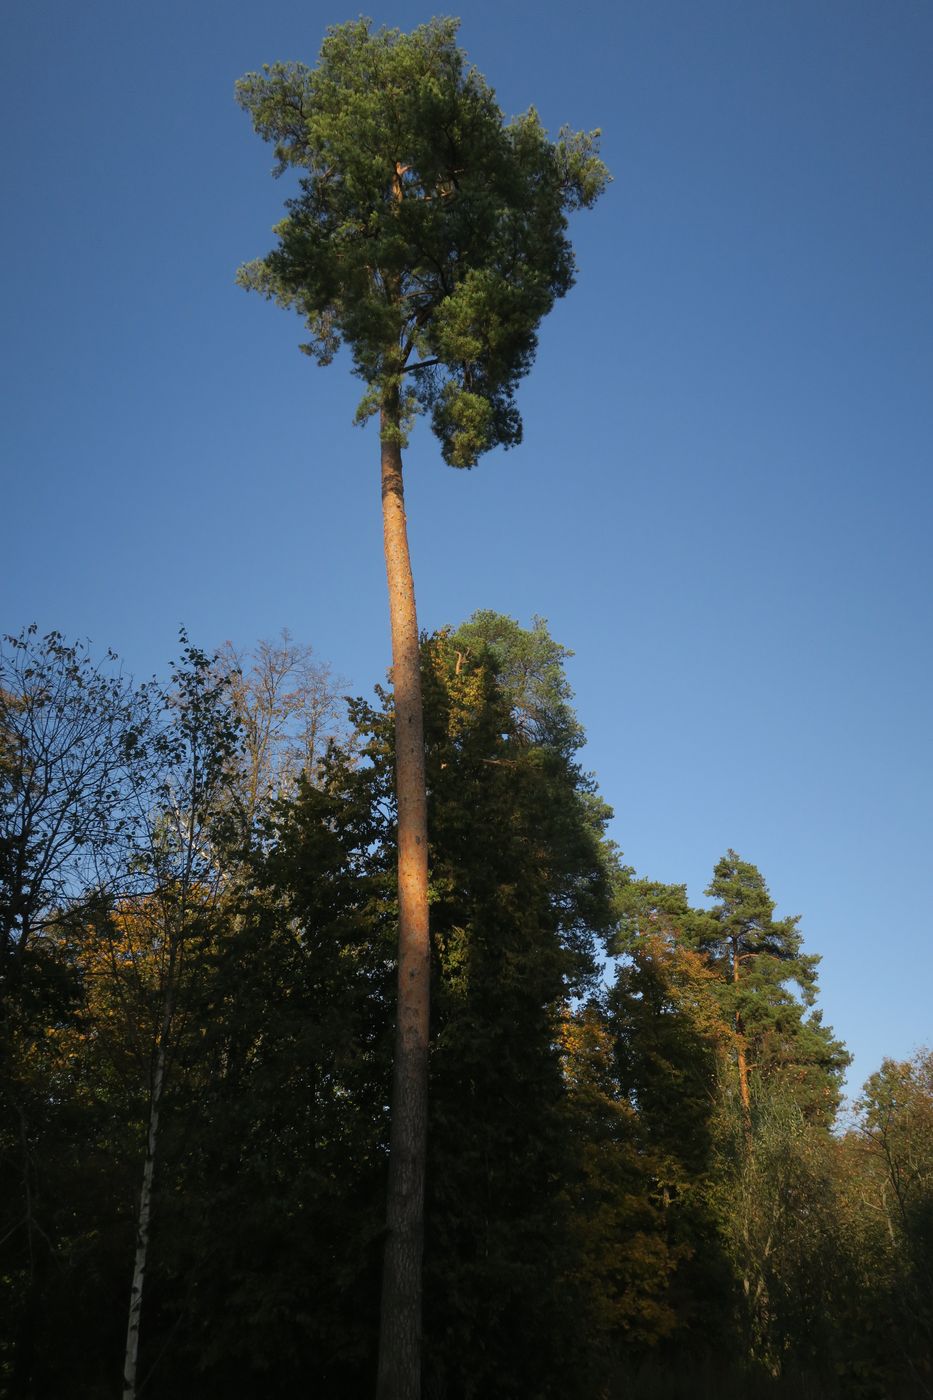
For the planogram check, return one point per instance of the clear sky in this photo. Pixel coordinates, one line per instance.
(723, 499)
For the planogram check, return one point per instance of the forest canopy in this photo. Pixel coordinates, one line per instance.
(636, 1170)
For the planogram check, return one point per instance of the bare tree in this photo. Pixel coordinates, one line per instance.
(289, 707)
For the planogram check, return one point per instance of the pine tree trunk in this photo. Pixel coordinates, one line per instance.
(400, 1327)
(740, 1043)
(142, 1230)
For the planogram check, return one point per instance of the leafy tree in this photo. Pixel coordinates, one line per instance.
(623, 1256)
(267, 1271)
(746, 1179)
(771, 1146)
(67, 727)
(529, 667)
(774, 1188)
(429, 236)
(103, 791)
(672, 1035)
(166, 915)
(198, 970)
(270, 1234)
(167, 1028)
(671, 1041)
(520, 890)
(896, 1127)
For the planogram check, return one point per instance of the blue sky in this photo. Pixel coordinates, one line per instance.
(723, 499)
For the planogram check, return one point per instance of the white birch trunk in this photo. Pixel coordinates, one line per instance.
(142, 1231)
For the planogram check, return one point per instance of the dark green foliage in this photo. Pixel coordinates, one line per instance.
(67, 1179)
(604, 1218)
(66, 730)
(278, 1146)
(267, 1217)
(785, 1037)
(702, 997)
(522, 890)
(427, 231)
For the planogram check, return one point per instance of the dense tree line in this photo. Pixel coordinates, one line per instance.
(637, 1184)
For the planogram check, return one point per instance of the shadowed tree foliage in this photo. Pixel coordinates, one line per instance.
(522, 897)
(734, 1088)
(66, 730)
(895, 1128)
(605, 1216)
(274, 1169)
(672, 1043)
(274, 1239)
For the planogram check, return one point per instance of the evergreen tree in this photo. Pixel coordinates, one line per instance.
(701, 1002)
(529, 668)
(430, 237)
(275, 1150)
(523, 891)
(772, 1147)
(756, 956)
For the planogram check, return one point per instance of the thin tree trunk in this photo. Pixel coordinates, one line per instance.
(142, 1230)
(400, 1329)
(740, 1046)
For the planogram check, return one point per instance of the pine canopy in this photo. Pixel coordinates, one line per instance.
(429, 234)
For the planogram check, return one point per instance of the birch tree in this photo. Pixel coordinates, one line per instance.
(162, 921)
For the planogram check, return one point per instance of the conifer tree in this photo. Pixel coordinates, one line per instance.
(429, 236)
(523, 892)
(757, 956)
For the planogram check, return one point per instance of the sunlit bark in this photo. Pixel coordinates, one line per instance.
(400, 1332)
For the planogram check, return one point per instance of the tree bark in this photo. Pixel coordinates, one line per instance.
(131, 1358)
(740, 1046)
(400, 1327)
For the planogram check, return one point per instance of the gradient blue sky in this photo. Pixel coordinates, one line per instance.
(723, 499)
